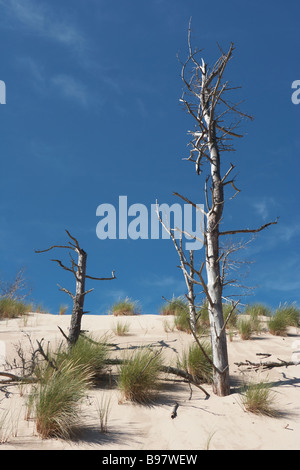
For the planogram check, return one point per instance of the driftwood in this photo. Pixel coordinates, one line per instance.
(16, 378)
(265, 365)
(185, 375)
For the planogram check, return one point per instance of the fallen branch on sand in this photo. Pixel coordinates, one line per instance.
(16, 378)
(265, 365)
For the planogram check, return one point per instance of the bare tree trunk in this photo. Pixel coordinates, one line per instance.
(78, 299)
(191, 296)
(214, 287)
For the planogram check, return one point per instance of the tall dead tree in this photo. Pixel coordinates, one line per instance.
(205, 99)
(78, 269)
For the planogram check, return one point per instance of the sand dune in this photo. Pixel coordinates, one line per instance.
(220, 423)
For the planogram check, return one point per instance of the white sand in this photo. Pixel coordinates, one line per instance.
(220, 422)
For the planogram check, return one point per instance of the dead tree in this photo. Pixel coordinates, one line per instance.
(17, 289)
(78, 269)
(205, 99)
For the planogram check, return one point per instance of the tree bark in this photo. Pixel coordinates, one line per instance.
(78, 301)
(221, 385)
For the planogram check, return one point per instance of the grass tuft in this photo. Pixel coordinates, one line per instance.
(139, 373)
(121, 329)
(258, 398)
(125, 307)
(245, 328)
(195, 362)
(11, 308)
(104, 409)
(56, 401)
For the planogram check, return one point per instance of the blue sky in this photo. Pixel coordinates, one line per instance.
(92, 112)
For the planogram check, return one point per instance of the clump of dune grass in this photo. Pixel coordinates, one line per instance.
(138, 377)
(286, 315)
(125, 307)
(12, 308)
(290, 312)
(104, 409)
(228, 310)
(245, 328)
(258, 398)
(180, 309)
(278, 325)
(172, 307)
(86, 352)
(56, 401)
(196, 362)
(121, 328)
(250, 322)
(258, 310)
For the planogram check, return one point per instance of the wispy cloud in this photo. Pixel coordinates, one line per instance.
(33, 70)
(66, 85)
(71, 88)
(39, 18)
(262, 207)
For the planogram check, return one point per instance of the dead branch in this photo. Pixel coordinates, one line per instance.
(185, 375)
(113, 276)
(248, 230)
(45, 355)
(62, 332)
(16, 378)
(265, 365)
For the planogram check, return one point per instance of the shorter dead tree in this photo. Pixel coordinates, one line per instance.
(17, 289)
(78, 269)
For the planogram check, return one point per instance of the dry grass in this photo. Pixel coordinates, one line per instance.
(138, 378)
(258, 398)
(125, 307)
(56, 401)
